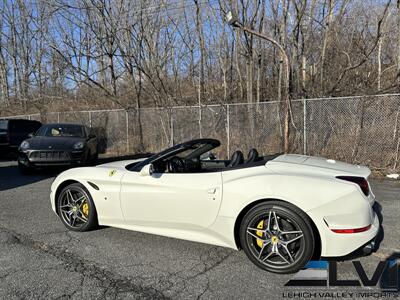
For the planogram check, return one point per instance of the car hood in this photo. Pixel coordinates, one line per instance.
(53, 143)
(121, 164)
(310, 164)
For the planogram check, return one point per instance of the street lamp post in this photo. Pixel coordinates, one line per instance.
(233, 21)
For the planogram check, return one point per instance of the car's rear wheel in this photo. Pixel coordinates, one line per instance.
(76, 208)
(277, 237)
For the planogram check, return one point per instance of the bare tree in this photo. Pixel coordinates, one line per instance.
(133, 54)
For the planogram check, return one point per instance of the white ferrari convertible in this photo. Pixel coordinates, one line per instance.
(281, 209)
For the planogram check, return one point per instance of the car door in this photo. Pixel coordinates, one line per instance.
(171, 199)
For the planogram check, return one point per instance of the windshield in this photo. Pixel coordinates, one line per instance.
(61, 131)
(3, 125)
(187, 150)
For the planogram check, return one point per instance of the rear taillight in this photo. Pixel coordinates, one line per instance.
(362, 182)
(354, 230)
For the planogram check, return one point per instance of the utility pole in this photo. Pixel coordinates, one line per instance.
(398, 45)
(285, 59)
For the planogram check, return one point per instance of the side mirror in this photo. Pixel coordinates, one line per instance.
(31, 135)
(147, 170)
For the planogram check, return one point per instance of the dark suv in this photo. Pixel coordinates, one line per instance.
(14, 131)
(58, 145)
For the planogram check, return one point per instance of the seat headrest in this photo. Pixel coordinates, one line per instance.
(237, 158)
(252, 156)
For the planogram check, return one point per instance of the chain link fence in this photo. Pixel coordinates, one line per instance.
(361, 130)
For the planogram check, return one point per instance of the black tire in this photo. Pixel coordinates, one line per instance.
(91, 217)
(24, 170)
(297, 248)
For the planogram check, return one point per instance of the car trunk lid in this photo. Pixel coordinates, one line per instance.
(320, 164)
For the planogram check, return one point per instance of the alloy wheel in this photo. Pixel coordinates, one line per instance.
(275, 239)
(74, 207)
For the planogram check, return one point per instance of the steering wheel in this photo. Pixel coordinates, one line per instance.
(176, 165)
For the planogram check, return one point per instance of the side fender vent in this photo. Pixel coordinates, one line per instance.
(93, 185)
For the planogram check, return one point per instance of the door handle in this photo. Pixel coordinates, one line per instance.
(212, 191)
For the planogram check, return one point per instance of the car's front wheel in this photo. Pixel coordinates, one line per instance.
(76, 208)
(277, 237)
(24, 169)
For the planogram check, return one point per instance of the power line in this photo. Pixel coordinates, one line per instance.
(167, 6)
(164, 7)
(161, 8)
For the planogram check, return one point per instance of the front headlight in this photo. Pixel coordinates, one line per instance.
(78, 146)
(24, 145)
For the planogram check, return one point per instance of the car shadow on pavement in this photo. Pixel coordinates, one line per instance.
(10, 177)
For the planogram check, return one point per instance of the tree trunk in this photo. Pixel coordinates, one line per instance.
(325, 43)
(259, 67)
(303, 73)
(379, 58)
(280, 81)
(249, 67)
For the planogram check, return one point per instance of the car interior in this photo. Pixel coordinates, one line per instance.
(198, 158)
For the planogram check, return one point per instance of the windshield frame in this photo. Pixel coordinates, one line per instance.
(206, 145)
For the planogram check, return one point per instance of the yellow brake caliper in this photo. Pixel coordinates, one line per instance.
(85, 208)
(259, 233)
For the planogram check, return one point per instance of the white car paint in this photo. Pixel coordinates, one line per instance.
(204, 207)
(173, 197)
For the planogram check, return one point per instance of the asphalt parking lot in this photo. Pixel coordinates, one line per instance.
(40, 259)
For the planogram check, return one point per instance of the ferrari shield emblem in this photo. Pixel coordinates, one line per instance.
(112, 173)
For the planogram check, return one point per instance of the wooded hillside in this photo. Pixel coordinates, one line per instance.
(66, 54)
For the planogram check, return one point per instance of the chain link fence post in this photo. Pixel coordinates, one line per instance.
(171, 125)
(304, 126)
(200, 120)
(227, 132)
(127, 130)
